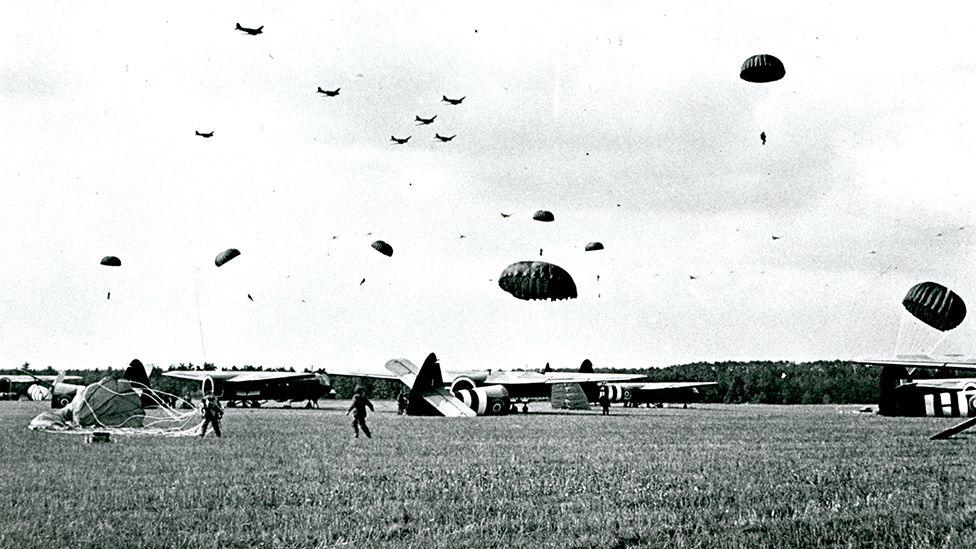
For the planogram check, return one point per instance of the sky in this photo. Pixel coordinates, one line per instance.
(626, 120)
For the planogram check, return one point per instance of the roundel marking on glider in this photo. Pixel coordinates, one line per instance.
(537, 280)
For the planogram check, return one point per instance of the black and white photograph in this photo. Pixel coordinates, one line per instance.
(440, 274)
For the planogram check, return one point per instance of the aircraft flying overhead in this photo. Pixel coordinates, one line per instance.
(949, 397)
(480, 392)
(452, 101)
(250, 388)
(444, 139)
(205, 135)
(425, 121)
(252, 32)
(329, 93)
(400, 141)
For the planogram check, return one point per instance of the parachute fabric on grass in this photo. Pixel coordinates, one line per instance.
(226, 255)
(762, 68)
(111, 261)
(383, 248)
(594, 246)
(543, 215)
(537, 280)
(108, 403)
(935, 305)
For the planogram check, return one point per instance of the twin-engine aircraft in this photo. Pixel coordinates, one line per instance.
(250, 388)
(949, 397)
(483, 392)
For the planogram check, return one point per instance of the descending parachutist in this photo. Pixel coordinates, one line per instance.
(249, 297)
(540, 252)
(361, 281)
(109, 296)
(763, 137)
(597, 278)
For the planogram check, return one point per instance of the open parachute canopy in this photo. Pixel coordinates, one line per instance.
(226, 255)
(543, 215)
(537, 280)
(111, 261)
(935, 305)
(594, 246)
(762, 68)
(383, 248)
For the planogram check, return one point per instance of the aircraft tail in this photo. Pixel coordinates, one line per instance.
(586, 367)
(891, 376)
(136, 375)
(238, 27)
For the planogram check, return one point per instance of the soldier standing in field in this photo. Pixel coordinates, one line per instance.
(402, 402)
(212, 412)
(604, 401)
(359, 404)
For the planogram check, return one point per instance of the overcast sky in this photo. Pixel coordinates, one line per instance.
(628, 121)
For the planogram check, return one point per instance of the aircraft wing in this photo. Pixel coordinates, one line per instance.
(923, 361)
(552, 378)
(448, 404)
(240, 378)
(30, 378)
(955, 384)
(666, 385)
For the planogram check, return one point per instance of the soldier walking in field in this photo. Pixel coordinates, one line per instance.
(212, 412)
(359, 404)
(402, 402)
(604, 401)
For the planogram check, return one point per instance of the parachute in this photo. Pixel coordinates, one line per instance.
(383, 248)
(594, 246)
(762, 68)
(537, 280)
(108, 403)
(935, 305)
(226, 255)
(543, 215)
(111, 261)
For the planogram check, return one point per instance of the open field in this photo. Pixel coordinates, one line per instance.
(713, 476)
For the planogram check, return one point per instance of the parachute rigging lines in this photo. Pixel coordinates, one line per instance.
(226, 255)
(762, 68)
(537, 280)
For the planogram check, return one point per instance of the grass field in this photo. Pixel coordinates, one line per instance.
(712, 476)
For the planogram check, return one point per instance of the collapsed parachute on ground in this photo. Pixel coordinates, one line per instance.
(935, 305)
(594, 246)
(111, 261)
(383, 248)
(108, 403)
(226, 255)
(762, 68)
(543, 215)
(537, 280)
